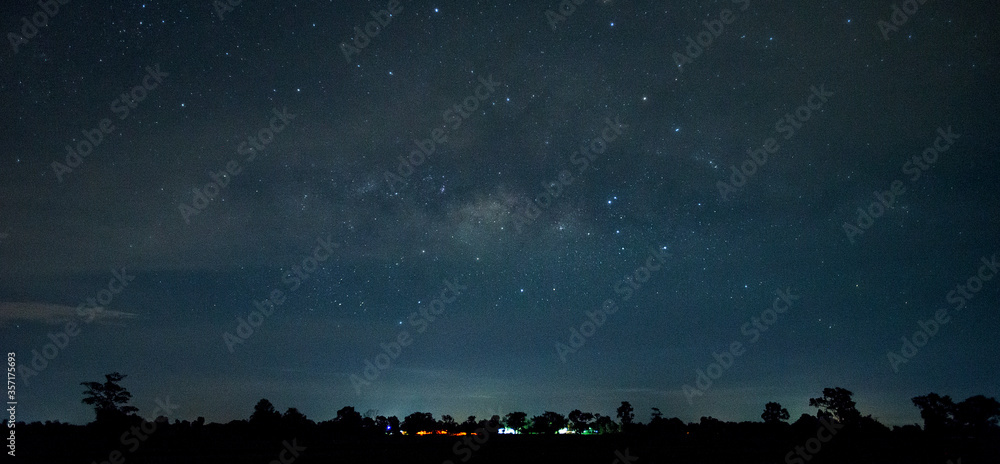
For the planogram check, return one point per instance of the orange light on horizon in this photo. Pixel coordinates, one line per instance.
(435, 432)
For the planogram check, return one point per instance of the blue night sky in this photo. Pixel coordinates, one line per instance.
(500, 209)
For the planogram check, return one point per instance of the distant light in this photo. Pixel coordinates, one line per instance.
(612, 24)
(435, 10)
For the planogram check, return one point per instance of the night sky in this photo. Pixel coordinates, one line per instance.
(484, 175)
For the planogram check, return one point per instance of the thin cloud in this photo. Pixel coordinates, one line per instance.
(46, 313)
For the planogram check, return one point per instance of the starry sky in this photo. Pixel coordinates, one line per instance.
(477, 180)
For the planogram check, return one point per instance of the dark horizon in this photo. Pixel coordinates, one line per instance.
(839, 432)
(172, 407)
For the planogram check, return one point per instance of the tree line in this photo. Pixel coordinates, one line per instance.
(975, 416)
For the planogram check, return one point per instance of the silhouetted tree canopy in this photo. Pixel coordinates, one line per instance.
(109, 399)
(968, 429)
(516, 420)
(292, 419)
(977, 414)
(625, 414)
(579, 420)
(837, 403)
(605, 424)
(419, 421)
(548, 423)
(264, 415)
(936, 411)
(774, 413)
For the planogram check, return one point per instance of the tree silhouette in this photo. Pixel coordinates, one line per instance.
(419, 422)
(977, 414)
(292, 419)
(774, 413)
(548, 423)
(470, 425)
(348, 420)
(969, 429)
(579, 420)
(625, 414)
(837, 403)
(516, 421)
(448, 424)
(937, 412)
(109, 399)
(604, 424)
(382, 424)
(264, 415)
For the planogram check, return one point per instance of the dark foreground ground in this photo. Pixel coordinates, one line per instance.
(743, 444)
